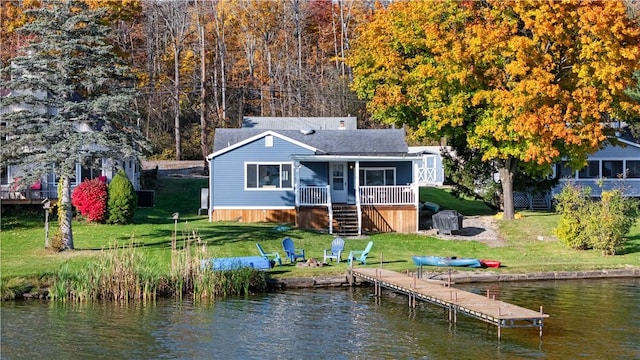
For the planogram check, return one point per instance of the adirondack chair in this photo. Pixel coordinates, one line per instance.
(274, 255)
(337, 247)
(361, 255)
(290, 250)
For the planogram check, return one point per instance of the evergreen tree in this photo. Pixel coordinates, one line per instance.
(71, 99)
(122, 199)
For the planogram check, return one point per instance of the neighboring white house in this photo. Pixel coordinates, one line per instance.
(46, 187)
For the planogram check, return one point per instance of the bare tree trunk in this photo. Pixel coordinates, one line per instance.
(176, 18)
(203, 91)
(507, 170)
(241, 106)
(176, 99)
(221, 107)
(65, 212)
(298, 25)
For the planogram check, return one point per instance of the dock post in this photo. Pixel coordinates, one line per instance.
(541, 322)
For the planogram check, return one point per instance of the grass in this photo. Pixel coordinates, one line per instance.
(530, 243)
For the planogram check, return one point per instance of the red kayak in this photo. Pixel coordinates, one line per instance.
(490, 263)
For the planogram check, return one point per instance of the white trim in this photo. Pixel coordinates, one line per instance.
(254, 208)
(384, 175)
(322, 158)
(257, 137)
(268, 188)
(630, 143)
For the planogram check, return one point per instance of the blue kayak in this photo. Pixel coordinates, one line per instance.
(445, 261)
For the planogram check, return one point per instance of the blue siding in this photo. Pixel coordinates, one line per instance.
(229, 181)
(314, 173)
(630, 187)
(617, 152)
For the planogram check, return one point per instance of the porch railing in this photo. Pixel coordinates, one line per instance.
(387, 195)
(26, 194)
(316, 196)
(313, 196)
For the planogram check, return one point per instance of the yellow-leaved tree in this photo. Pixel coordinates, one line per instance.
(523, 83)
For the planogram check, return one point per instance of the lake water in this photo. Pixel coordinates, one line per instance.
(594, 319)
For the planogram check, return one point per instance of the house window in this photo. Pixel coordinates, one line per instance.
(268, 176)
(4, 175)
(90, 172)
(591, 171)
(612, 169)
(565, 171)
(378, 176)
(633, 169)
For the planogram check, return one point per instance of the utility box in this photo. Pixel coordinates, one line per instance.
(447, 221)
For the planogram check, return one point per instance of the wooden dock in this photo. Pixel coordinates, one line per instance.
(484, 308)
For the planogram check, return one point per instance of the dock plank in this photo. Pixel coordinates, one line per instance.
(438, 292)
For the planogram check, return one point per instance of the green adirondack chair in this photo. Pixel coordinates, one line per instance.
(360, 255)
(265, 255)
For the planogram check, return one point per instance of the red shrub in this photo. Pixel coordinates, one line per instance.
(90, 198)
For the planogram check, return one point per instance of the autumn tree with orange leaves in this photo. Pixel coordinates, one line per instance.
(524, 83)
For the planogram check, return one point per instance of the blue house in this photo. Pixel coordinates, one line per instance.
(615, 166)
(342, 181)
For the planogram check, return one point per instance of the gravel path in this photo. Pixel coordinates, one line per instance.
(173, 168)
(479, 228)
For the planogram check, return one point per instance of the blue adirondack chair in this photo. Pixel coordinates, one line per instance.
(291, 251)
(360, 255)
(268, 256)
(337, 247)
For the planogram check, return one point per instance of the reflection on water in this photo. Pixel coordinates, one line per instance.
(589, 318)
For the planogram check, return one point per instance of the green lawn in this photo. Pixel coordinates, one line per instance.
(530, 246)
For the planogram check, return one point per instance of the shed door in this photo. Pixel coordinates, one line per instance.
(338, 181)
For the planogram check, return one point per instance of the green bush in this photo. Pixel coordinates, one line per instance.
(601, 225)
(122, 199)
(573, 205)
(611, 221)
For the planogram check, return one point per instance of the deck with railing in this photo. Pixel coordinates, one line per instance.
(387, 195)
(25, 196)
(368, 195)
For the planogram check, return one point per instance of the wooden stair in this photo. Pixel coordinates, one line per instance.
(345, 218)
(540, 202)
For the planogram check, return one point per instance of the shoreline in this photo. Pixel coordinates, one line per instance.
(456, 277)
(459, 277)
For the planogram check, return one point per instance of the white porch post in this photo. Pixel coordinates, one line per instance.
(296, 182)
(416, 194)
(357, 185)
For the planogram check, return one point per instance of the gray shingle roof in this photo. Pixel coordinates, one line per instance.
(333, 142)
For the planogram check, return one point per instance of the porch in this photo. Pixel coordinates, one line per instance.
(26, 196)
(376, 209)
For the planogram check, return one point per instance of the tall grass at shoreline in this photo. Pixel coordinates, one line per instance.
(123, 273)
